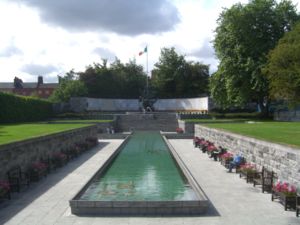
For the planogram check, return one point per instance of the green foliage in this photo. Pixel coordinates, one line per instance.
(244, 36)
(242, 115)
(283, 68)
(116, 81)
(173, 76)
(68, 87)
(22, 109)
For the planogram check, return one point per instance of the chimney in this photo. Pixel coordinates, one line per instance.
(40, 80)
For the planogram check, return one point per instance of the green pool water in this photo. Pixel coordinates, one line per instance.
(144, 170)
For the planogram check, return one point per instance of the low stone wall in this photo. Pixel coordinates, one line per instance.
(293, 115)
(188, 127)
(283, 160)
(25, 152)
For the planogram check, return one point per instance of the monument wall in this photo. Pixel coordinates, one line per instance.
(108, 105)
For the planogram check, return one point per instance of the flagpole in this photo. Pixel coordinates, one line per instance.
(147, 82)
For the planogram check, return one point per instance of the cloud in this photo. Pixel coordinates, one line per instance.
(104, 53)
(130, 17)
(205, 51)
(36, 69)
(9, 51)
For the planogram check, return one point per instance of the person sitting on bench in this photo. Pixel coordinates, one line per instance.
(237, 160)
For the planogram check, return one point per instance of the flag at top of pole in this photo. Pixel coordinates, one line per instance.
(142, 52)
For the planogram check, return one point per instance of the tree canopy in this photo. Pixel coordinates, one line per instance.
(244, 36)
(68, 87)
(174, 77)
(283, 68)
(115, 81)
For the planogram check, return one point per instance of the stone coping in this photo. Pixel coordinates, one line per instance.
(141, 208)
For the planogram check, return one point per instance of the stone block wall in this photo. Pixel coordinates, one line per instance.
(292, 115)
(283, 160)
(188, 127)
(25, 152)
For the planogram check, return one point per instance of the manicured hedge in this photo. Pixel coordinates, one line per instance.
(242, 115)
(15, 108)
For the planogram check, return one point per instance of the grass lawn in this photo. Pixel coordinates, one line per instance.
(16, 132)
(279, 132)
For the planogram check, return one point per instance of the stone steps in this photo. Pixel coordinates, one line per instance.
(147, 121)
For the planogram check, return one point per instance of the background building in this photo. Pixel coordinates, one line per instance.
(39, 88)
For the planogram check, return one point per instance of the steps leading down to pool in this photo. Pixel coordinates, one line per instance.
(147, 121)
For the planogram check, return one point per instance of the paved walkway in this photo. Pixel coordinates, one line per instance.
(233, 201)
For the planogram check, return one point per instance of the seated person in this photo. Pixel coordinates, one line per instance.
(237, 160)
(216, 153)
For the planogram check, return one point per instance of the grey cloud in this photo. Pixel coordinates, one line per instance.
(104, 53)
(36, 69)
(206, 51)
(9, 51)
(130, 17)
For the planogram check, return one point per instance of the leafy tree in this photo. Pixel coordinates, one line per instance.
(68, 87)
(244, 36)
(283, 68)
(173, 76)
(115, 81)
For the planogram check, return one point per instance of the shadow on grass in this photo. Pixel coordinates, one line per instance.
(19, 201)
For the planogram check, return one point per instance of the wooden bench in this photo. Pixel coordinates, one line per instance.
(4, 190)
(37, 170)
(265, 178)
(298, 204)
(249, 175)
(17, 178)
(289, 202)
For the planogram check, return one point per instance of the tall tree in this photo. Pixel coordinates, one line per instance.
(173, 76)
(244, 36)
(283, 68)
(117, 80)
(69, 86)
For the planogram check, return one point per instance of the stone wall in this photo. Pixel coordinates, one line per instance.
(283, 160)
(25, 152)
(293, 115)
(147, 121)
(82, 104)
(188, 127)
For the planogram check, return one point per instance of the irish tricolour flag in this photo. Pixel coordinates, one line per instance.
(142, 52)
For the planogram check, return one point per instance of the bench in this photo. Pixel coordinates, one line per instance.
(249, 173)
(17, 178)
(4, 190)
(37, 170)
(265, 178)
(298, 205)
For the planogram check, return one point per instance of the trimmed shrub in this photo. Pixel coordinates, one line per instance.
(242, 115)
(14, 108)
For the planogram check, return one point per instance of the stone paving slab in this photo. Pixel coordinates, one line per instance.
(233, 201)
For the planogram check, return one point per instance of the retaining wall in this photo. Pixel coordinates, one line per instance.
(283, 160)
(188, 127)
(25, 152)
(292, 115)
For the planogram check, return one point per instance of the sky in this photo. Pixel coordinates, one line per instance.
(51, 37)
